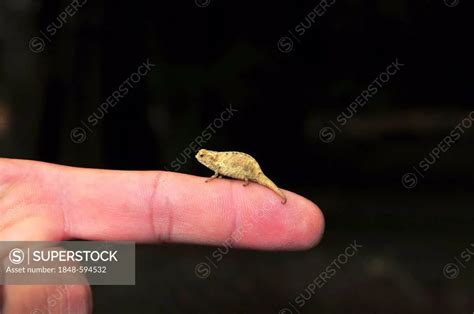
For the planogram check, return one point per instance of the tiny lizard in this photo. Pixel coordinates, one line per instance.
(236, 165)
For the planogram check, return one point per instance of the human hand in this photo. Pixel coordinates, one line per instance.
(47, 202)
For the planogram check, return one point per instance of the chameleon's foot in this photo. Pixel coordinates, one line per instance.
(247, 182)
(283, 201)
(215, 175)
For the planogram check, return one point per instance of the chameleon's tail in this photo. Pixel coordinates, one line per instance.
(265, 181)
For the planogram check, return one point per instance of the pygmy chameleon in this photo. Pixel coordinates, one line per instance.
(236, 165)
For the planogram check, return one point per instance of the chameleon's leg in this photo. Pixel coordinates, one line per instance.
(215, 175)
(247, 182)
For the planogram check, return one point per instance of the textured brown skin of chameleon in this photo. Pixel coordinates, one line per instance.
(236, 165)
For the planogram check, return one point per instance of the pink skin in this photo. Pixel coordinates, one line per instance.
(41, 201)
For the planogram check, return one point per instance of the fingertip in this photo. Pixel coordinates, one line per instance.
(303, 222)
(271, 225)
(314, 226)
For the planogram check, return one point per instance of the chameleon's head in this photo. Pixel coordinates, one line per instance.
(205, 157)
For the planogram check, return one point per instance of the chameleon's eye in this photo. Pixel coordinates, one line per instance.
(202, 155)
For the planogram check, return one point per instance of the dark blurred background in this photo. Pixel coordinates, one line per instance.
(61, 60)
